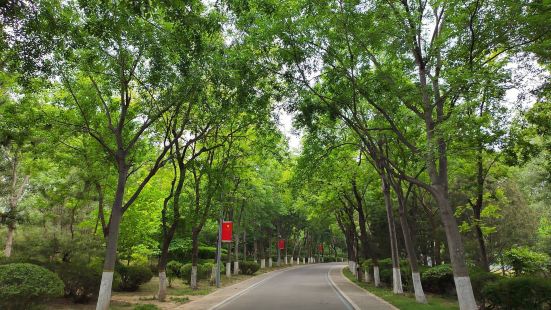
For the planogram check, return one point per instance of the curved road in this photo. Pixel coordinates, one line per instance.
(308, 287)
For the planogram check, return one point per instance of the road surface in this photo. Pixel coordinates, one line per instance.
(306, 287)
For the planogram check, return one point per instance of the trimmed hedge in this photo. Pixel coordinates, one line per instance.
(519, 293)
(132, 277)
(438, 279)
(22, 284)
(248, 267)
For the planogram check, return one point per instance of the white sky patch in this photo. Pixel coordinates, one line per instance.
(527, 76)
(284, 122)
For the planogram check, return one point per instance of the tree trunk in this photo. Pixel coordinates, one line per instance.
(361, 221)
(195, 257)
(236, 253)
(396, 274)
(410, 249)
(104, 296)
(477, 210)
(9, 240)
(244, 245)
(461, 277)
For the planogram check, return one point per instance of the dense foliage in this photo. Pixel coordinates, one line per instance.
(128, 130)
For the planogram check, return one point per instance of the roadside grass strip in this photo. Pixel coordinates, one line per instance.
(405, 301)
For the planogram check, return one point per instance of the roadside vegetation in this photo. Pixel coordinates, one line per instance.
(130, 129)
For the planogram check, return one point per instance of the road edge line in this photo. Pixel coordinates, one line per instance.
(368, 292)
(348, 299)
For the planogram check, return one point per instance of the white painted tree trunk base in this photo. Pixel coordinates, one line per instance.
(270, 263)
(376, 277)
(292, 260)
(161, 295)
(262, 263)
(228, 270)
(235, 268)
(366, 276)
(304, 260)
(418, 288)
(104, 296)
(352, 266)
(465, 294)
(286, 262)
(213, 272)
(193, 277)
(397, 281)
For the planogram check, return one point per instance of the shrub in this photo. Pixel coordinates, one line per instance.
(206, 252)
(185, 273)
(438, 279)
(479, 279)
(519, 293)
(525, 261)
(21, 284)
(81, 281)
(203, 271)
(132, 277)
(248, 267)
(173, 270)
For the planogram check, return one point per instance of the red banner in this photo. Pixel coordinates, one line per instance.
(281, 244)
(320, 247)
(227, 227)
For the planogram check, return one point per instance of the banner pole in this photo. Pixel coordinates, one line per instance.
(219, 256)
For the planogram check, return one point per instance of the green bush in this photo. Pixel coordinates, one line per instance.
(203, 272)
(526, 261)
(81, 281)
(173, 270)
(519, 293)
(479, 279)
(438, 279)
(206, 252)
(248, 267)
(132, 277)
(21, 284)
(185, 273)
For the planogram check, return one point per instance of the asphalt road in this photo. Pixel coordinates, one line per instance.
(303, 288)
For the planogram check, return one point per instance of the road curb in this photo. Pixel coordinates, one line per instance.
(340, 292)
(368, 292)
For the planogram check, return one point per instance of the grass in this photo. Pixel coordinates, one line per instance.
(407, 300)
(181, 300)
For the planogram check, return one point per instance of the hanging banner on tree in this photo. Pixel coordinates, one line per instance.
(320, 248)
(281, 244)
(227, 227)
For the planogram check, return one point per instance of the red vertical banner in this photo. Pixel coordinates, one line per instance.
(227, 227)
(320, 248)
(281, 244)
